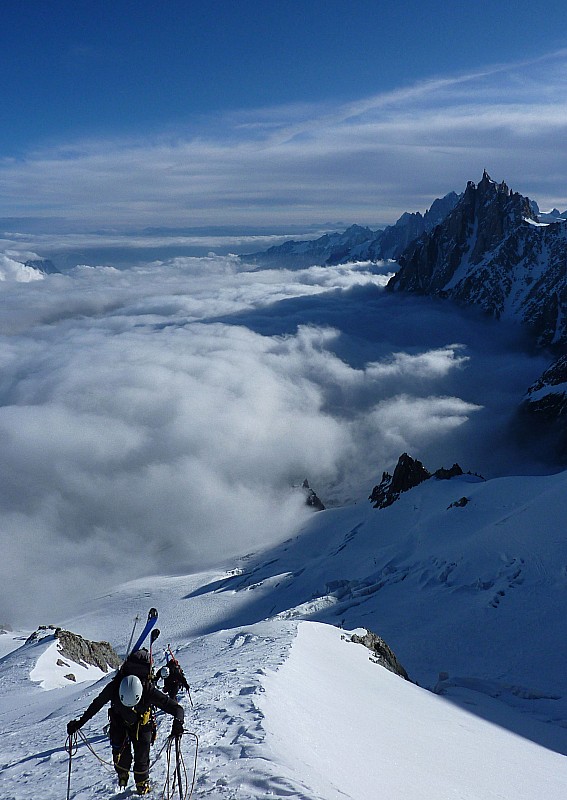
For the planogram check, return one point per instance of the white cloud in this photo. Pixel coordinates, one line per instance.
(155, 418)
(12, 270)
(367, 161)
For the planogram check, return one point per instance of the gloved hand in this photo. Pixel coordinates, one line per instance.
(73, 726)
(177, 728)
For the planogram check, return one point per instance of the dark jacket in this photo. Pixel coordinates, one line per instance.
(175, 680)
(152, 696)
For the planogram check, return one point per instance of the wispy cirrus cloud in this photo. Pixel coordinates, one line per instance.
(366, 161)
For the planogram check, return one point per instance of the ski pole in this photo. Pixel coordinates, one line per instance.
(178, 766)
(136, 620)
(70, 745)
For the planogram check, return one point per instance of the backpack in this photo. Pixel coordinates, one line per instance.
(137, 664)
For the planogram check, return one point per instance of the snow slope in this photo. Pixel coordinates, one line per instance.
(286, 706)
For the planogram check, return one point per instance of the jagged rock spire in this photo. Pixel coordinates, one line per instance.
(491, 251)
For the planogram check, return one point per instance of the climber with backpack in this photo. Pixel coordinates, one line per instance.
(132, 696)
(175, 680)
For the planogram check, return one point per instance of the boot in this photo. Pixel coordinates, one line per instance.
(123, 781)
(143, 787)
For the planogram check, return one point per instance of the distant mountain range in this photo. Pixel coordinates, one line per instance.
(489, 247)
(356, 243)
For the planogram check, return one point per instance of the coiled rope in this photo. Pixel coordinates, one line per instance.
(180, 778)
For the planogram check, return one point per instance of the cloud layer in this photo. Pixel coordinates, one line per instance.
(368, 161)
(156, 418)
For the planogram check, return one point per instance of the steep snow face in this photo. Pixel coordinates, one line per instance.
(493, 252)
(52, 672)
(389, 738)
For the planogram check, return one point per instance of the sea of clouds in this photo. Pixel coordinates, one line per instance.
(156, 418)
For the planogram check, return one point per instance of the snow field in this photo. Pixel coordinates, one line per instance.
(354, 730)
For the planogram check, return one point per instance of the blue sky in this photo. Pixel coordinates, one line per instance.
(258, 113)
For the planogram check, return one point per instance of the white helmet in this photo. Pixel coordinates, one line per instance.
(130, 691)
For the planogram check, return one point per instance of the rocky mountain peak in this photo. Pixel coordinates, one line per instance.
(408, 473)
(492, 251)
(496, 251)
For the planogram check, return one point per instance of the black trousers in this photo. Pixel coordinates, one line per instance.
(125, 739)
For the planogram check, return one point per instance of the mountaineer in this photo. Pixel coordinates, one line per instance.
(132, 696)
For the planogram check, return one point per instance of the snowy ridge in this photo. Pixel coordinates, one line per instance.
(469, 599)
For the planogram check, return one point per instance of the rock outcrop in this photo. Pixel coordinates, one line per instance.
(545, 404)
(381, 653)
(408, 473)
(75, 648)
(311, 498)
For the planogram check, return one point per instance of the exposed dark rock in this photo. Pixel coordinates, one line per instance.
(548, 395)
(83, 651)
(459, 503)
(443, 474)
(491, 251)
(544, 409)
(75, 648)
(311, 498)
(70, 677)
(408, 473)
(382, 653)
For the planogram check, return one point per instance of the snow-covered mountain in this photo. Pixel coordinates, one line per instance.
(153, 421)
(356, 243)
(545, 406)
(471, 602)
(492, 251)
(489, 247)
